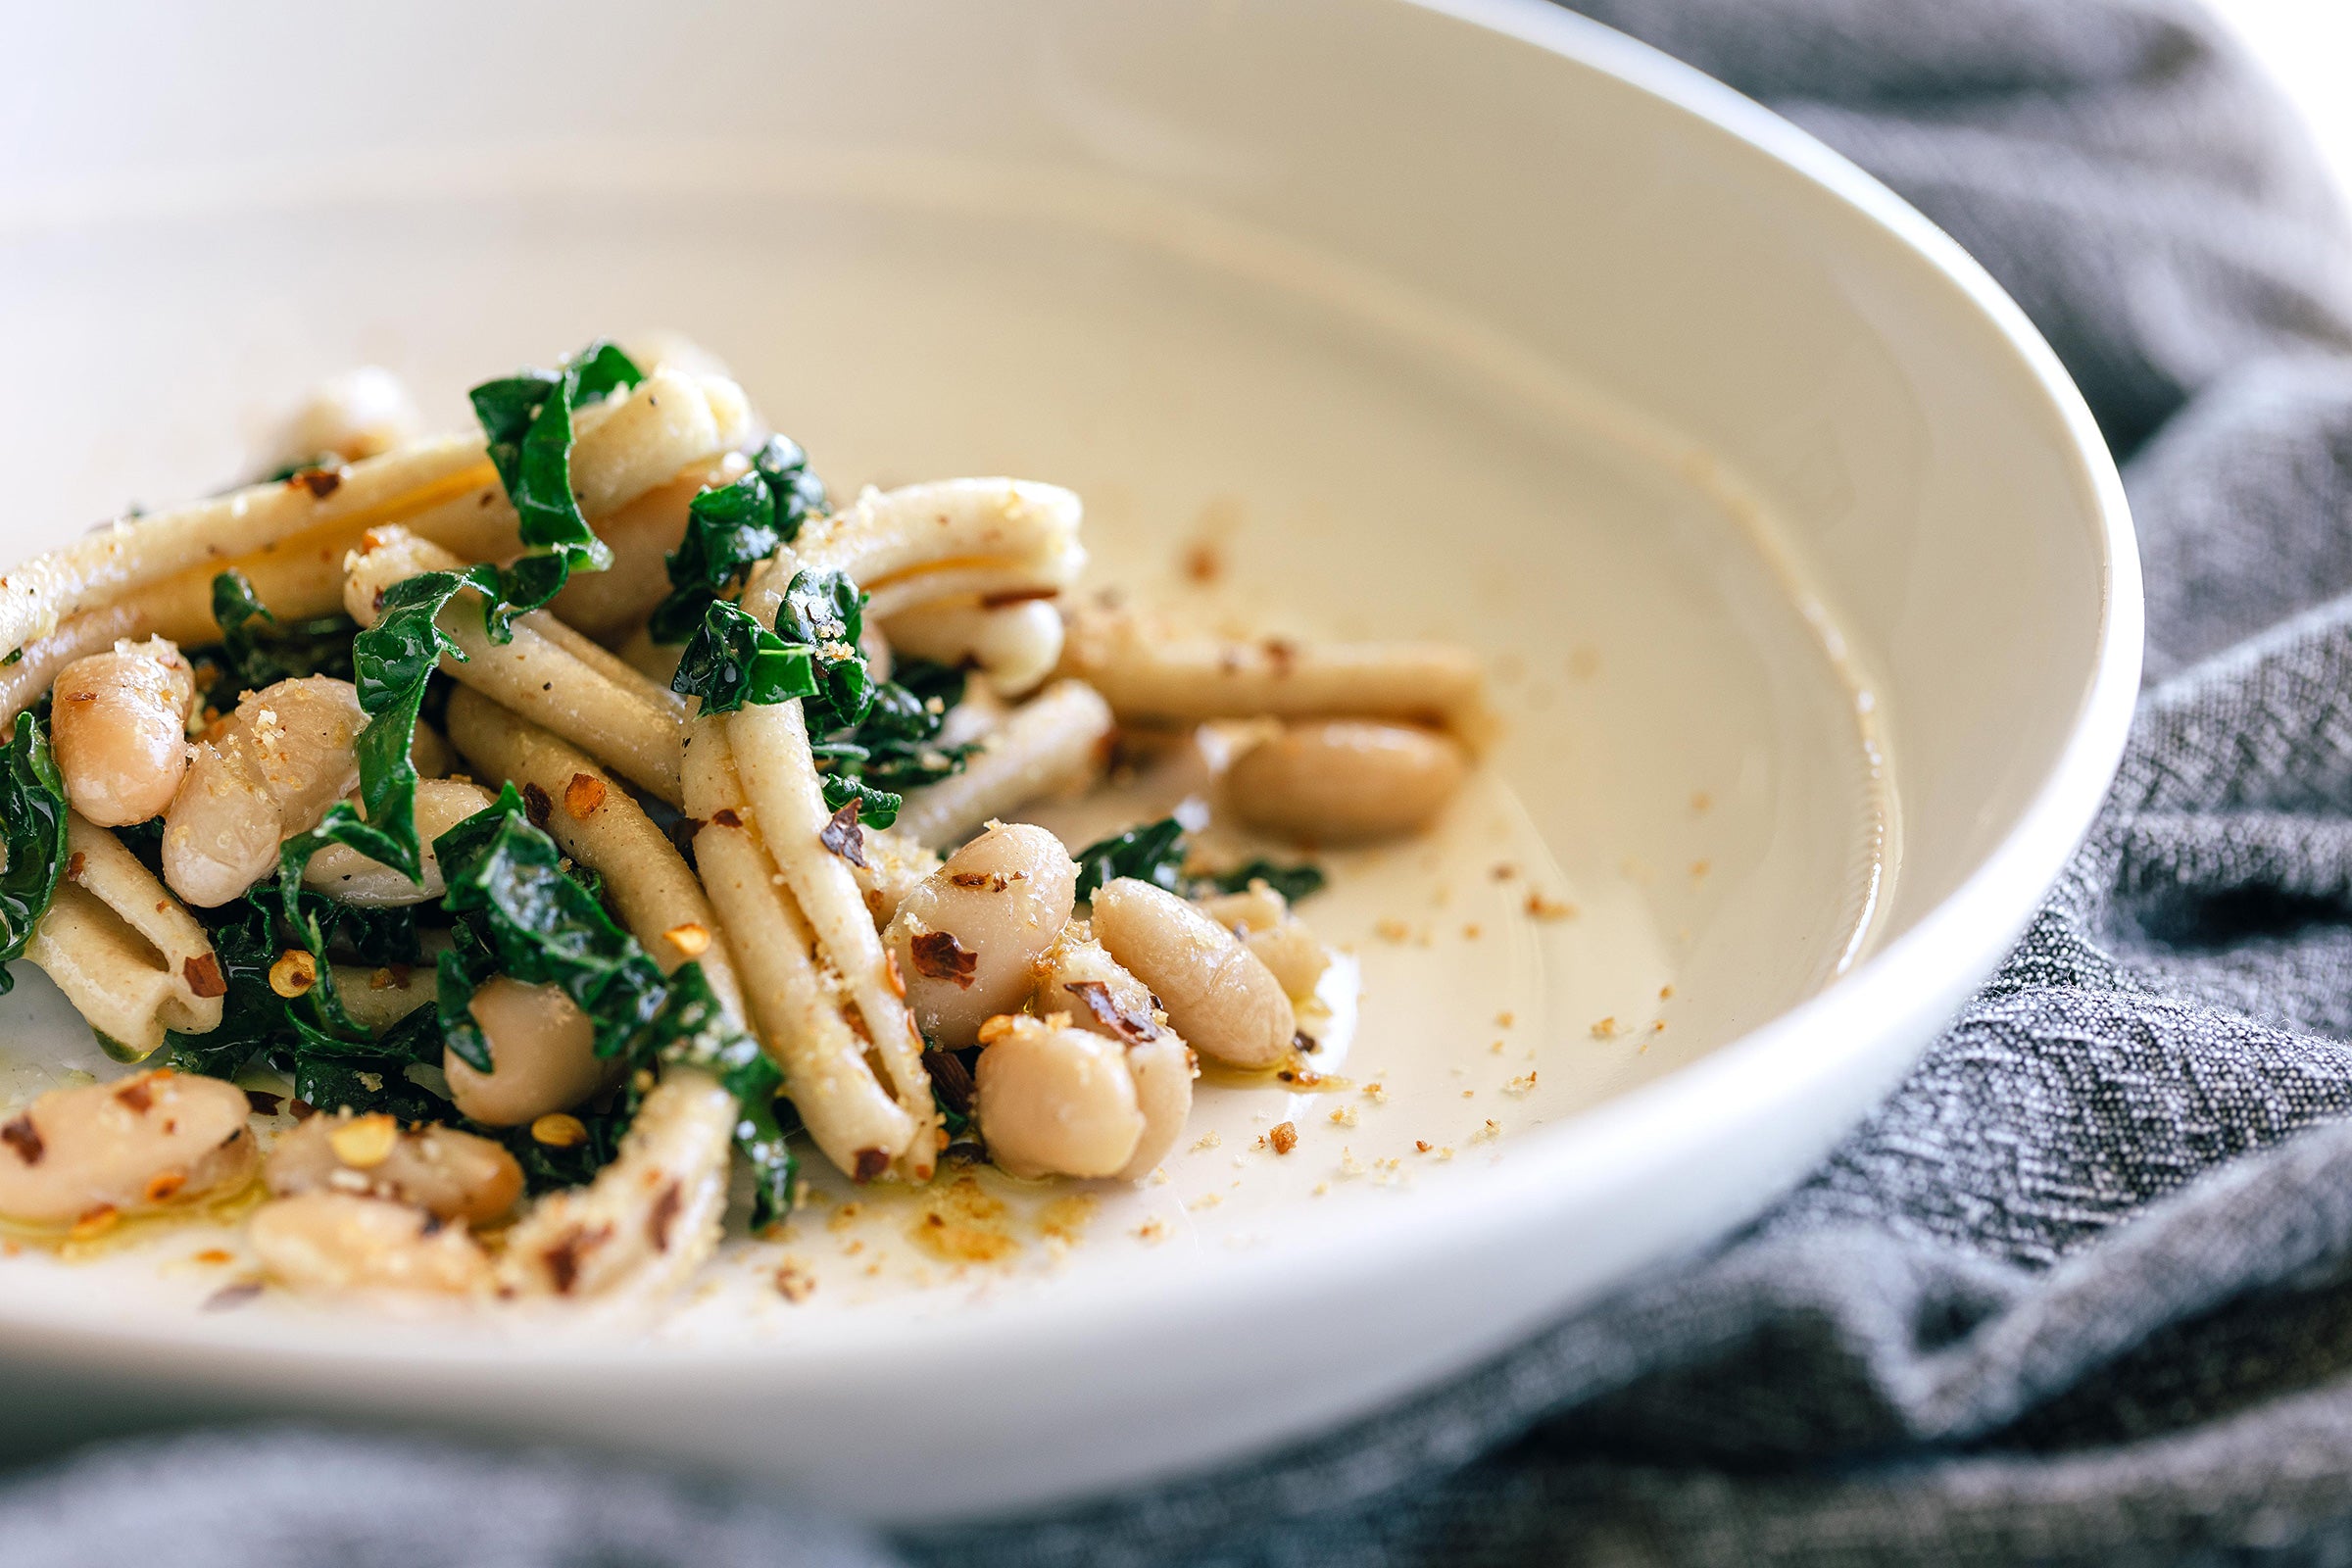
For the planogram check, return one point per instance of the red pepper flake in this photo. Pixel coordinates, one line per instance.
(1281, 654)
(725, 817)
(841, 835)
(537, 805)
(202, 975)
(303, 1109)
(1016, 596)
(564, 1258)
(1107, 1012)
(25, 1138)
(263, 1104)
(951, 1078)
(663, 1214)
(319, 483)
(872, 1163)
(136, 1096)
(76, 864)
(583, 795)
(940, 955)
(1284, 1136)
(994, 881)
(231, 1295)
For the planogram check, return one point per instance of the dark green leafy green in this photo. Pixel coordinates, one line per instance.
(32, 829)
(825, 611)
(1155, 853)
(875, 808)
(520, 915)
(255, 651)
(731, 528)
(526, 419)
(1292, 882)
(897, 747)
(732, 660)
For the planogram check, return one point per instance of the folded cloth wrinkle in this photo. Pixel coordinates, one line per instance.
(2079, 1290)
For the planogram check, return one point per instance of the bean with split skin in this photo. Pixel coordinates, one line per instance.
(1079, 978)
(146, 1141)
(1055, 1100)
(542, 1055)
(455, 1175)
(965, 940)
(1346, 781)
(1217, 993)
(119, 722)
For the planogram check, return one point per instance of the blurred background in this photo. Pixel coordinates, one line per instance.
(2305, 44)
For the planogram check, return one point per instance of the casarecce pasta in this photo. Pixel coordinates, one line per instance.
(557, 817)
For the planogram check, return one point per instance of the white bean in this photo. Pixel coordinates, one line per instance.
(1079, 978)
(542, 1055)
(342, 1241)
(1055, 1100)
(119, 725)
(272, 772)
(143, 1143)
(965, 939)
(455, 1175)
(1261, 917)
(338, 869)
(1346, 781)
(1218, 994)
(360, 413)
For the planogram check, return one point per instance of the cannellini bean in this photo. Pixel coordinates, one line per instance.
(1015, 646)
(146, 1142)
(1345, 781)
(965, 940)
(1218, 994)
(1079, 978)
(343, 871)
(119, 724)
(1057, 743)
(542, 1055)
(651, 1217)
(274, 770)
(360, 413)
(328, 1241)
(895, 867)
(1261, 917)
(1055, 1100)
(455, 1175)
(1153, 672)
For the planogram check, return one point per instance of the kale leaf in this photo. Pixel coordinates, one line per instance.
(1155, 853)
(732, 660)
(897, 747)
(250, 661)
(875, 808)
(32, 829)
(526, 421)
(521, 915)
(731, 528)
(825, 611)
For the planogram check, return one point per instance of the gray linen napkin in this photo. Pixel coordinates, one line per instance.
(2080, 1290)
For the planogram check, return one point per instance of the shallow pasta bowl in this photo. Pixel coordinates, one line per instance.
(1806, 590)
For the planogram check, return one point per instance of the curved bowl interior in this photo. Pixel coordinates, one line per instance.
(1806, 586)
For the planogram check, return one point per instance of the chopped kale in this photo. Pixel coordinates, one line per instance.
(732, 660)
(32, 830)
(520, 915)
(255, 652)
(526, 419)
(824, 611)
(875, 808)
(731, 528)
(897, 747)
(1155, 853)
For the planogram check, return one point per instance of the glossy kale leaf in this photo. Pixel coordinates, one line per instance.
(255, 651)
(732, 660)
(731, 528)
(875, 808)
(1153, 852)
(825, 611)
(526, 419)
(32, 829)
(898, 747)
(520, 914)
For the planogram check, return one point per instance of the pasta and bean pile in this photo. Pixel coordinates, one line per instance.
(486, 842)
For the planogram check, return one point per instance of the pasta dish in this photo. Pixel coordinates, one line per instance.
(501, 856)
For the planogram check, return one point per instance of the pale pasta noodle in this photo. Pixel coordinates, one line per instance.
(123, 949)
(1055, 744)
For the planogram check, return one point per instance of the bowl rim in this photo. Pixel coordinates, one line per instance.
(1823, 1037)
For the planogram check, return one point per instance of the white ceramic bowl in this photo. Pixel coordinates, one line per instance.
(1808, 588)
